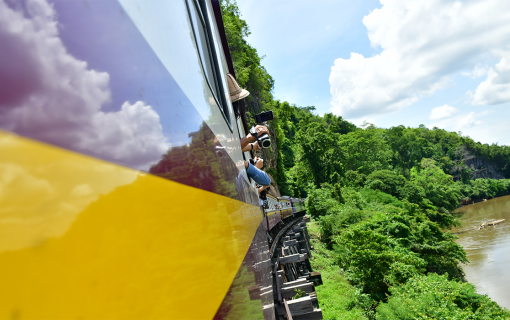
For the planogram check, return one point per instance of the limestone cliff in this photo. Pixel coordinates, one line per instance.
(477, 166)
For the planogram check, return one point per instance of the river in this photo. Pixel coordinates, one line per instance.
(488, 250)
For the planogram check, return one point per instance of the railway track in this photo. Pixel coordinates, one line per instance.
(294, 281)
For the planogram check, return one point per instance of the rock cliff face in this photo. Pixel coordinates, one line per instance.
(480, 168)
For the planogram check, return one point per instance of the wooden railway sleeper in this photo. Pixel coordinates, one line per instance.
(292, 244)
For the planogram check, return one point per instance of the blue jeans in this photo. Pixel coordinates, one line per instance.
(258, 175)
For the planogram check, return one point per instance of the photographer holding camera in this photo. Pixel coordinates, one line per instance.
(259, 133)
(247, 143)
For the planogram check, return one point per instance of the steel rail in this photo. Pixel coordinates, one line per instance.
(279, 235)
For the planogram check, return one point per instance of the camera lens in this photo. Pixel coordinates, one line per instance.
(264, 141)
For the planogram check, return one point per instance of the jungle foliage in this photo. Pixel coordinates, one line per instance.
(382, 200)
(434, 297)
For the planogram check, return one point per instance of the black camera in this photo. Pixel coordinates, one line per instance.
(263, 139)
(264, 116)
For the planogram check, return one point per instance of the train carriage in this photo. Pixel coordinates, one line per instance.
(273, 212)
(286, 205)
(298, 205)
(123, 191)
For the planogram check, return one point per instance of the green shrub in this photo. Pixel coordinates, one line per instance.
(385, 180)
(434, 297)
(373, 261)
(437, 185)
(320, 202)
(378, 196)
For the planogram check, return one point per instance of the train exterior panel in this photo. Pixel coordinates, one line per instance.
(286, 207)
(272, 213)
(298, 205)
(286, 213)
(273, 217)
(125, 190)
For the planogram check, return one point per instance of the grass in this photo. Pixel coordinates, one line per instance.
(336, 296)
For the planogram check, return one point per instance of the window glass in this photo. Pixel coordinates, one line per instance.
(220, 58)
(202, 43)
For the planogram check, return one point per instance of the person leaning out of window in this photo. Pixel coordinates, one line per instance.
(247, 144)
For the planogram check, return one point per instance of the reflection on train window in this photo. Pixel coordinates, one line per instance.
(206, 48)
(202, 44)
(219, 58)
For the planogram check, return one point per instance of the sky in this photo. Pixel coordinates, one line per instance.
(440, 63)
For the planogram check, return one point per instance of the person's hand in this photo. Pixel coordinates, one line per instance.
(262, 188)
(261, 129)
(259, 163)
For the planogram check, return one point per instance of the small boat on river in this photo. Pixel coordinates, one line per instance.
(483, 225)
(490, 223)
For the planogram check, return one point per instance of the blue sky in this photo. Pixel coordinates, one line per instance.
(439, 63)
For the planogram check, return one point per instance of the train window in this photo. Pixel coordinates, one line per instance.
(201, 40)
(204, 36)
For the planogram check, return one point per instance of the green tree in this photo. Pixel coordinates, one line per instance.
(408, 147)
(438, 186)
(372, 261)
(387, 181)
(250, 74)
(434, 297)
(364, 151)
(318, 151)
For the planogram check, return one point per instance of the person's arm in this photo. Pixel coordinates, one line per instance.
(256, 174)
(249, 137)
(244, 141)
(249, 146)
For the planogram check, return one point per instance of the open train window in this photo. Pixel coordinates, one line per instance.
(201, 14)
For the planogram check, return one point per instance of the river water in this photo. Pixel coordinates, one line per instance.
(488, 250)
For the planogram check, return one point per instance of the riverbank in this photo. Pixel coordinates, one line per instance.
(487, 249)
(471, 202)
(375, 243)
(481, 190)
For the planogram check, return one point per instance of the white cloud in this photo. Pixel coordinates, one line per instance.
(478, 125)
(442, 112)
(477, 72)
(468, 121)
(48, 94)
(461, 122)
(496, 88)
(423, 43)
